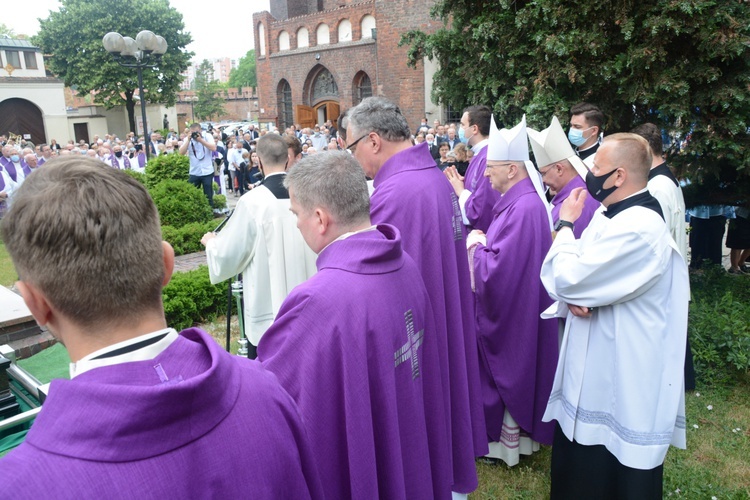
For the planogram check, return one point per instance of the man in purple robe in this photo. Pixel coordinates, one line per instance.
(562, 171)
(15, 165)
(148, 412)
(412, 194)
(475, 196)
(118, 160)
(355, 345)
(518, 348)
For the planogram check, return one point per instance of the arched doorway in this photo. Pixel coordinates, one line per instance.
(322, 93)
(22, 117)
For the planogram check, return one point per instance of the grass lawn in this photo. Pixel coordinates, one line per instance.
(715, 463)
(7, 272)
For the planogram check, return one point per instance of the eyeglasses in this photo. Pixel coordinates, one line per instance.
(351, 147)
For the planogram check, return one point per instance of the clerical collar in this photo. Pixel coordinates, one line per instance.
(272, 174)
(664, 170)
(585, 153)
(140, 348)
(640, 199)
(476, 148)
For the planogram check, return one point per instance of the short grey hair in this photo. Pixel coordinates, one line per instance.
(332, 180)
(272, 150)
(379, 115)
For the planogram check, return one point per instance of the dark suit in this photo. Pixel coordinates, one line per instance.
(253, 134)
(275, 184)
(435, 151)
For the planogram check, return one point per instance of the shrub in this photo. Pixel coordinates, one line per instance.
(165, 167)
(180, 203)
(136, 175)
(190, 298)
(220, 201)
(187, 239)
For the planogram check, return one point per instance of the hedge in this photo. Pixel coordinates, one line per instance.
(190, 298)
(180, 203)
(187, 239)
(172, 166)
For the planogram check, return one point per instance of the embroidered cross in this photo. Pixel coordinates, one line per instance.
(409, 350)
(458, 223)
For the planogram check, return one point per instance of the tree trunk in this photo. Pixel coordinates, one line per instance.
(130, 106)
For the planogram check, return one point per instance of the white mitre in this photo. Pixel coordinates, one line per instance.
(511, 145)
(551, 145)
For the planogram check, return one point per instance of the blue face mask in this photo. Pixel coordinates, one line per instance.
(461, 136)
(575, 136)
(14, 158)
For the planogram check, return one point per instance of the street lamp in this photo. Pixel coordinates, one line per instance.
(192, 100)
(146, 50)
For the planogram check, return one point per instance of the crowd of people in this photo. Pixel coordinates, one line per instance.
(414, 318)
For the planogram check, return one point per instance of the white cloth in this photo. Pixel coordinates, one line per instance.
(619, 379)
(234, 158)
(149, 351)
(513, 443)
(10, 187)
(262, 242)
(672, 203)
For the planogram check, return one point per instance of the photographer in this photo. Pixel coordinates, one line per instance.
(199, 147)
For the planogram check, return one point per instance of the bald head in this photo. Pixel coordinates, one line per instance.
(30, 159)
(631, 152)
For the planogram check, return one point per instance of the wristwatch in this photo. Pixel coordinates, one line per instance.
(563, 223)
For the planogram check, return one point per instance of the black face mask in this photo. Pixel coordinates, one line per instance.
(118, 154)
(595, 185)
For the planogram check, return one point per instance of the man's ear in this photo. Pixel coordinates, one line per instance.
(36, 301)
(168, 256)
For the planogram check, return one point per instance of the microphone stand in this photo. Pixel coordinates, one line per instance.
(229, 288)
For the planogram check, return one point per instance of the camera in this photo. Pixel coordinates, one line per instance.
(195, 135)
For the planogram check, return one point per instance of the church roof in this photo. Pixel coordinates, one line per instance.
(16, 43)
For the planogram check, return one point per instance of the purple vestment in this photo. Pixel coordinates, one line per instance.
(590, 205)
(355, 346)
(518, 348)
(11, 168)
(116, 164)
(479, 206)
(194, 422)
(412, 194)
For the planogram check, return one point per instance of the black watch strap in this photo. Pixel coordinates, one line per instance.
(563, 223)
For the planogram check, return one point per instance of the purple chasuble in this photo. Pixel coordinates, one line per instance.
(355, 346)
(479, 206)
(518, 348)
(116, 164)
(590, 205)
(412, 194)
(194, 422)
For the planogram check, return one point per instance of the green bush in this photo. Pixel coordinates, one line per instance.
(165, 167)
(136, 175)
(220, 201)
(180, 203)
(187, 239)
(190, 298)
(719, 325)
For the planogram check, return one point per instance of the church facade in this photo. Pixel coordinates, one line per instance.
(317, 58)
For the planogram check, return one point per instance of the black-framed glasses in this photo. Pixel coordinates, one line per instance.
(351, 147)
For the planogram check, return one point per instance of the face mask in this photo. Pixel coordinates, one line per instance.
(118, 154)
(14, 158)
(595, 185)
(575, 136)
(132, 150)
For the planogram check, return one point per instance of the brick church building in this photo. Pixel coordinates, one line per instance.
(315, 58)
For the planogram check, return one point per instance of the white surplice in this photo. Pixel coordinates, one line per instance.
(261, 241)
(619, 380)
(672, 203)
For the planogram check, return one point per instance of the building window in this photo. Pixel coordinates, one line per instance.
(345, 31)
(362, 87)
(283, 40)
(30, 59)
(284, 105)
(13, 58)
(367, 24)
(324, 87)
(453, 115)
(323, 35)
(303, 38)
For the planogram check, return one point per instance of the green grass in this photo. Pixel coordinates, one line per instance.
(7, 271)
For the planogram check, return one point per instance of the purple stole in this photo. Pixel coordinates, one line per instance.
(141, 160)
(116, 164)
(11, 168)
(41, 162)
(2, 181)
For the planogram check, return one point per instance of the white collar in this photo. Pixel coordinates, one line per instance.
(149, 351)
(274, 173)
(480, 145)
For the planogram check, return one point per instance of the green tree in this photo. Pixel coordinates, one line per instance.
(244, 75)
(6, 32)
(72, 37)
(210, 101)
(683, 64)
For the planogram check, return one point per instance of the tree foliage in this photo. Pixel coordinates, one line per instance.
(6, 32)
(72, 39)
(683, 64)
(244, 75)
(210, 102)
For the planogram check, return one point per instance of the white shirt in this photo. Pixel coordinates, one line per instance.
(619, 380)
(234, 157)
(149, 351)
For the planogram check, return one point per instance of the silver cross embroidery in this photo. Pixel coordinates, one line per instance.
(409, 350)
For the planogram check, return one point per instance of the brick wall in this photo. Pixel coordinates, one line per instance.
(383, 60)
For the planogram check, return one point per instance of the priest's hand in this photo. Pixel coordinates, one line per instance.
(207, 237)
(580, 311)
(456, 179)
(572, 207)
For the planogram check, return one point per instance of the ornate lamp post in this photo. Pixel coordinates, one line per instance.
(143, 52)
(192, 99)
